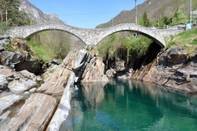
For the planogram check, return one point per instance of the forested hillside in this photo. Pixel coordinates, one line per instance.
(157, 11)
(11, 16)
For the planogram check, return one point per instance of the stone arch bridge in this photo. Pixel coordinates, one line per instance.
(94, 36)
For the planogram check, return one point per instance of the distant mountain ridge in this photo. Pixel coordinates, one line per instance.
(155, 9)
(37, 16)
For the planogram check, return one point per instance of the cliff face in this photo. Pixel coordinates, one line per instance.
(36, 15)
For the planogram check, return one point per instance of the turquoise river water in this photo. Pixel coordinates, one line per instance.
(121, 105)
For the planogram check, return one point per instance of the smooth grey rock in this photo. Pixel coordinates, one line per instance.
(27, 74)
(7, 101)
(32, 90)
(11, 58)
(176, 55)
(3, 82)
(4, 37)
(4, 120)
(20, 86)
(34, 115)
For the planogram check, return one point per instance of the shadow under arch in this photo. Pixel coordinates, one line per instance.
(39, 31)
(160, 43)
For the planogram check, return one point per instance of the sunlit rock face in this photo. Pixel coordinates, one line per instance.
(94, 71)
(28, 117)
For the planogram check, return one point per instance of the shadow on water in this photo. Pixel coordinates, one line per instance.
(125, 105)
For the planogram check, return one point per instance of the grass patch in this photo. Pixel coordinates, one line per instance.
(186, 39)
(9, 47)
(42, 52)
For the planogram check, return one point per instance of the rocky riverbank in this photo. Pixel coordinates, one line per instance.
(174, 69)
(45, 106)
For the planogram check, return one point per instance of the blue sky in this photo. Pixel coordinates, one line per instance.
(85, 13)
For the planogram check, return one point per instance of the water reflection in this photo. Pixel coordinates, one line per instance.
(93, 93)
(125, 105)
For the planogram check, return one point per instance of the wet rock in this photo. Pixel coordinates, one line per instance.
(111, 72)
(94, 71)
(34, 114)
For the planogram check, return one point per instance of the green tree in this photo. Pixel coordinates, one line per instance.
(15, 17)
(179, 17)
(141, 21)
(146, 20)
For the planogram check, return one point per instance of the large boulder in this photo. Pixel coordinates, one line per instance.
(176, 55)
(11, 58)
(94, 71)
(20, 86)
(20, 61)
(17, 82)
(173, 57)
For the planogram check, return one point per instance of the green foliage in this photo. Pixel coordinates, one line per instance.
(187, 40)
(42, 53)
(141, 21)
(14, 16)
(49, 45)
(3, 27)
(123, 46)
(9, 47)
(144, 21)
(179, 17)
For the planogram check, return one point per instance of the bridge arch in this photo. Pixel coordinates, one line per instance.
(27, 31)
(148, 32)
(31, 34)
(94, 36)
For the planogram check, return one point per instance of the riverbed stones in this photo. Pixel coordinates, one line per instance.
(34, 114)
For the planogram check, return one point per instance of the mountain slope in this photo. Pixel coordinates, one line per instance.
(155, 9)
(36, 15)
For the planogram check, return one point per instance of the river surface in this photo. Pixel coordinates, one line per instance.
(122, 105)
